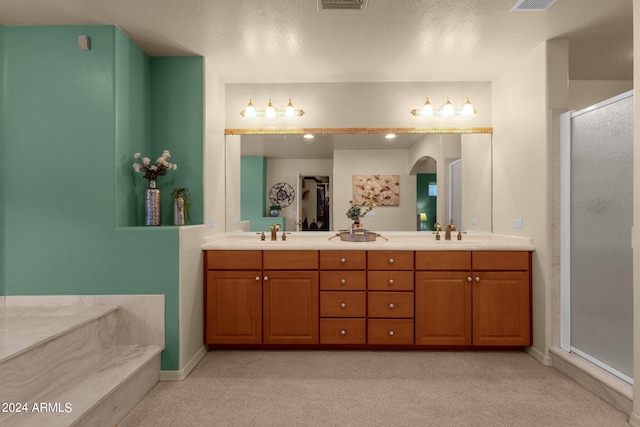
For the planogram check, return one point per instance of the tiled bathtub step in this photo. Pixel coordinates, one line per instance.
(23, 328)
(57, 360)
(100, 395)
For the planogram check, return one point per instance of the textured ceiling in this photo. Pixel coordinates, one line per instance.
(276, 41)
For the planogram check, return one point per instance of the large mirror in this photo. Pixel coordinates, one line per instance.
(418, 179)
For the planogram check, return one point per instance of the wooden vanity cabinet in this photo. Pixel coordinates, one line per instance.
(501, 298)
(390, 306)
(443, 298)
(251, 300)
(343, 298)
(233, 297)
(290, 297)
(480, 298)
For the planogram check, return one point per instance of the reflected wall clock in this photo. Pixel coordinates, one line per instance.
(282, 194)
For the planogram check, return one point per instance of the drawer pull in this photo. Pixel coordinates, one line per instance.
(391, 281)
(391, 305)
(390, 260)
(391, 333)
(343, 281)
(477, 279)
(343, 305)
(266, 278)
(257, 278)
(469, 279)
(343, 260)
(343, 332)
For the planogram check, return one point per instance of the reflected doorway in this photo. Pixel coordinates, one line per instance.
(314, 210)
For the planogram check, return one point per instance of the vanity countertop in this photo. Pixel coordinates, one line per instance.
(392, 240)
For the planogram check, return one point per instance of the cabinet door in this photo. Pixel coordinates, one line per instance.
(443, 308)
(290, 307)
(233, 307)
(501, 308)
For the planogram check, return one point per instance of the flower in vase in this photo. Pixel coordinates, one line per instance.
(153, 170)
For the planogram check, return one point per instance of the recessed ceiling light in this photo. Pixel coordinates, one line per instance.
(308, 136)
(390, 135)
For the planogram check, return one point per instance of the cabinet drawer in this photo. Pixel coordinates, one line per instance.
(391, 304)
(390, 280)
(501, 260)
(390, 260)
(390, 331)
(443, 260)
(343, 304)
(343, 331)
(343, 280)
(343, 260)
(234, 260)
(290, 260)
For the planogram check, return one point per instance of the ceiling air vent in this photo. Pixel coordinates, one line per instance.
(342, 5)
(532, 5)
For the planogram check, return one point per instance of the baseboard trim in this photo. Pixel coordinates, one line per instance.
(599, 382)
(545, 359)
(634, 419)
(184, 372)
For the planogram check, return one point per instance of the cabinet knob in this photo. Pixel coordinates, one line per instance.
(391, 281)
(343, 305)
(343, 281)
(257, 278)
(343, 332)
(390, 333)
(342, 260)
(469, 279)
(391, 305)
(477, 278)
(266, 278)
(390, 260)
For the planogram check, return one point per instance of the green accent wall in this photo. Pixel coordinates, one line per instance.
(253, 194)
(424, 202)
(71, 201)
(3, 157)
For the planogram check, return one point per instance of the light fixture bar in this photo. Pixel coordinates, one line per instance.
(270, 112)
(446, 111)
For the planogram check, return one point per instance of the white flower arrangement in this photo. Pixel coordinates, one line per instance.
(153, 170)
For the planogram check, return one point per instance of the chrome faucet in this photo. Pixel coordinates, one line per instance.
(447, 234)
(274, 231)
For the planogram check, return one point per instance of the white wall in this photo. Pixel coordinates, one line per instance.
(584, 93)
(347, 163)
(522, 159)
(369, 105)
(191, 237)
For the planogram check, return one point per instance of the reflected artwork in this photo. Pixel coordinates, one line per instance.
(384, 188)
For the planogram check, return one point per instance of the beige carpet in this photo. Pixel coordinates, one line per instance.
(363, 388)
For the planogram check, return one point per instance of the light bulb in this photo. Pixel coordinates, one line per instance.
(270, 112)
(467, 110)
(447, 110)
(250, 111)
(390, 135)
(427, 110)
(289, 112)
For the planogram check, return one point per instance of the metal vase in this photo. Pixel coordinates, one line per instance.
(152, 204)
(178, 211)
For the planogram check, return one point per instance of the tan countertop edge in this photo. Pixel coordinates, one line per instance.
(412, 241)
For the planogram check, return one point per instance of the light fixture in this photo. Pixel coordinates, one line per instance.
(390, 136)
(271, 112)
(308, 136)
(446, 111)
